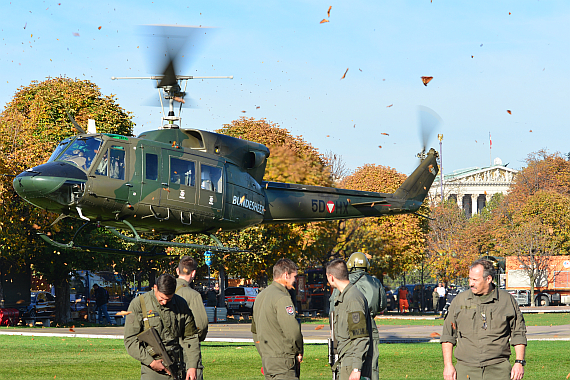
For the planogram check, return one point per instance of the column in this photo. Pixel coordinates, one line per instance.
(460, 201)
(474, 205)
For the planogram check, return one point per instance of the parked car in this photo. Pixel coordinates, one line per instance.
(240, 300)
(42, 305)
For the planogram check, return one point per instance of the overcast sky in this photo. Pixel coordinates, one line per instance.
(486, 58)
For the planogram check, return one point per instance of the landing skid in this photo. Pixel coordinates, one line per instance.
(137, 240)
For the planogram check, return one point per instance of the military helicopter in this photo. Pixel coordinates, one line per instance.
(174, 181)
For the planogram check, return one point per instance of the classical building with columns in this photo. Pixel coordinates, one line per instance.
(472, 188)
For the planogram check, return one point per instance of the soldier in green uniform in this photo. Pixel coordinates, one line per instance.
(374, 293)
(169, 314)
(276, 331)
(186, 272)
(351, 325)
(481, 322)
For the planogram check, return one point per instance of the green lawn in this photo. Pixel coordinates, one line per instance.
(27, 358)
(532, 319)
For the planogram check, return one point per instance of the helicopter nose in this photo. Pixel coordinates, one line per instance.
(51, 186)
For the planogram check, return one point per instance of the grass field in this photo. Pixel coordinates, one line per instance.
(27, 358)
(554, 319)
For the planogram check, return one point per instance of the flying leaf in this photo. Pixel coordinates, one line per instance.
(379, 146)
(385, 134)
(426, 80)
(329, 11)
(434, 334)
(390, 105)
(179, 99)
(76, 34)
(243, 111)
(344, 75)
(99, 28)
(509, 112)
(319, 327)
(323, 21)
(258, 107)
(530, 130)
(123, 312)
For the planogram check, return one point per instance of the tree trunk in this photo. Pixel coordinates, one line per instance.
(62, 306)
(532, 301)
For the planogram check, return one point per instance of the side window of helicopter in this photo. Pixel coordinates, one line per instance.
(151, 166)
(117, 162)
(112, 163)
(211, 178)
(182, 172)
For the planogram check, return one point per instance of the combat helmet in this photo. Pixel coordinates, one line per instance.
(357, 260)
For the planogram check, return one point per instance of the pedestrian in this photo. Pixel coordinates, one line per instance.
(375, 295)
(429, 298)
(435, 299)
(441, 296)
(186, 272)
(170, 316)
(275, 328)
(352, 328)
(481, 322)
(403, 299)
(101, 301)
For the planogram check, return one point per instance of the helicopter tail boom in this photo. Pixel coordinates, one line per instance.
(288, 203)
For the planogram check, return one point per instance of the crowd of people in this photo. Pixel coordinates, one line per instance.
(164, 327)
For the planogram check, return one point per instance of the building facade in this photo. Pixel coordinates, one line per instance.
(472, 188)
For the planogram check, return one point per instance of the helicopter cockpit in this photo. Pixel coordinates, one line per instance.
(80, 151)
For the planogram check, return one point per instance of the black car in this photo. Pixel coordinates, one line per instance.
(42, 305)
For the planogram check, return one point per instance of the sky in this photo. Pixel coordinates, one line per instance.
(486, 58)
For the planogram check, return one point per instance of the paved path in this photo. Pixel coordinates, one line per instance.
(312, 333)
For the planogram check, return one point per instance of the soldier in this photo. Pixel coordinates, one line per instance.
(482, 322)
(351, 325)
(374, 293)
(276, 331)
(170, 316)
(186, 272)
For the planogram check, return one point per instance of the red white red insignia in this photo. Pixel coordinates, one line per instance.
(290, 310)
(330, 207)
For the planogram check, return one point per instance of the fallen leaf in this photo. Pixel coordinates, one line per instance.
(319, 327)
(344, 75)
(71, 330)
(323, 21)
(385, 134)
(329, 11)
(509, 112)
(567, 376)
(434, 334)
(426, 80)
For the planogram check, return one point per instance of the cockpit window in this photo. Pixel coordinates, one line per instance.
(80, 151)
(60, 148)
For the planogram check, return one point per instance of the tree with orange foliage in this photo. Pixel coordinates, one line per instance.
(395, 243)
(31, 126)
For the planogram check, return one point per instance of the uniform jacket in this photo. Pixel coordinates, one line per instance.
(352, 329)
(174, 323)
(276, 331)
(464, 327)
(196, 305)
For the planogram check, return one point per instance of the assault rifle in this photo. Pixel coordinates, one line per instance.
(152, 338)
(333, 352)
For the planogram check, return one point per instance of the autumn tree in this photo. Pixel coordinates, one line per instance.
(395, 243)
(31, 126)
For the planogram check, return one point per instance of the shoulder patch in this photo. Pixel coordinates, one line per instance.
(355, 317)
(290, 310)
(357, 326)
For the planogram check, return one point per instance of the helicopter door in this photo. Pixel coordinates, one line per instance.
(110, 176)
(180, 181)
(211, 187)
(150, 179)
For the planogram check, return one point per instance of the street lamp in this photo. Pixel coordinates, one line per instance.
(440, 138)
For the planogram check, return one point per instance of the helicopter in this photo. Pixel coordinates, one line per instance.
(173, 181)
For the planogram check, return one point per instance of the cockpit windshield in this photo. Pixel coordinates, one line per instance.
(80, 151)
